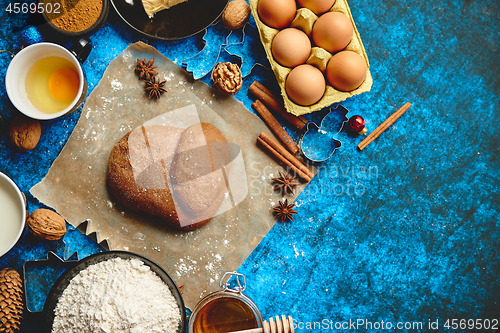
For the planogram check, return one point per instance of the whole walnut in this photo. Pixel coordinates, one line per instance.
(46, 224)
(236, 14)
(227, 77)
(25, 133)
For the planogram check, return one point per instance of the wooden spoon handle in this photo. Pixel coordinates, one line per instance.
(278, 325)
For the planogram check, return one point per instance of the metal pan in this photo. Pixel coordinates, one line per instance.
(180, 21)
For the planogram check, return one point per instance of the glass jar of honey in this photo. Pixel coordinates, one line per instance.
(227, 310)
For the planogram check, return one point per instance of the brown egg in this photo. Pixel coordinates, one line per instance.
(277, 13)
(291, 47)
(305, 85)
(346, 70)
(332, 31)
(318, 7)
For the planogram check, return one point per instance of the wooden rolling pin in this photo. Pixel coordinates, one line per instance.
(283, 325)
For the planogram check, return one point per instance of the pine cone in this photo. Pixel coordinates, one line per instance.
(11, 300)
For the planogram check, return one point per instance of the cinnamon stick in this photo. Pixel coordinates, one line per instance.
(284, 156)
(382, 127)
(269, 99)
(283, 160)
(275, 127)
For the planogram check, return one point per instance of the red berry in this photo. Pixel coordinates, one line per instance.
(356, 123)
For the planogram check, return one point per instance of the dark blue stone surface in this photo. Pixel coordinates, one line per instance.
(406, 230)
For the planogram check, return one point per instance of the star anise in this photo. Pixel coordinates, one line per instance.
(155, 87)
(285, 183)
(284, 211)
(146, 69)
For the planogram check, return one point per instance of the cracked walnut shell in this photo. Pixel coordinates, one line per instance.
(227, 77)
(46, 224)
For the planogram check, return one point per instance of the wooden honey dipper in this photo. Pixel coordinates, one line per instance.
(283, 325)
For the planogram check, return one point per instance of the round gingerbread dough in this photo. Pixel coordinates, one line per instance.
(171, 173)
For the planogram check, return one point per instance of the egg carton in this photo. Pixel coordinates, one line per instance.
(319, 57)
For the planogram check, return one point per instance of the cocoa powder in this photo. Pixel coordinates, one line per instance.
(74, 15)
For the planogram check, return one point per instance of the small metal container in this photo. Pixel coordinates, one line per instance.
(227, 310)
(100, 21)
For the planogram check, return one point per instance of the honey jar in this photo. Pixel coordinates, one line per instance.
(226, 310)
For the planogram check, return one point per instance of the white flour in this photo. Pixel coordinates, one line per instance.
(116, 296)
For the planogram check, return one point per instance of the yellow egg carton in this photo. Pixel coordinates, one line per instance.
(319, 57)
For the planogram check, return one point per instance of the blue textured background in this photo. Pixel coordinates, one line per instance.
(407, 229)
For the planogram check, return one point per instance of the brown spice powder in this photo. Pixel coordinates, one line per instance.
(75, 15)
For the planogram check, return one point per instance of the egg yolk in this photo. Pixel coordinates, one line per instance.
(63, 84)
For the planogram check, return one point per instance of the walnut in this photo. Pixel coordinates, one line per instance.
(227, 77)
(236, 14)
(25, 133)
(46, 224)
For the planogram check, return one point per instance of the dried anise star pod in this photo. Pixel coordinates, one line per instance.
(155, 87)
(284, 211)
(285, 183)
(146, 69)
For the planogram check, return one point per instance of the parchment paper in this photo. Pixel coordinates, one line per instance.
(75, 185)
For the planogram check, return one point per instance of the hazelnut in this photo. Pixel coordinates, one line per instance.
(46, 224)
(236, 14)
(25, 133)
(227, 77)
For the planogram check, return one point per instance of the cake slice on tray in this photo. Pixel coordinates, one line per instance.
(154, 6)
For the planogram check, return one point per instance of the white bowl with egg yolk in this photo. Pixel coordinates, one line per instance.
(19, 78)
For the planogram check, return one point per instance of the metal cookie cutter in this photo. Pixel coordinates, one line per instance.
(318, 143)
(83, 228)
(41, 274)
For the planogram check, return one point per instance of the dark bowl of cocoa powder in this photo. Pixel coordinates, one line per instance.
(75, 17)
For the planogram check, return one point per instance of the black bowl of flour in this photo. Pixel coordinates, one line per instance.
(64, 281)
